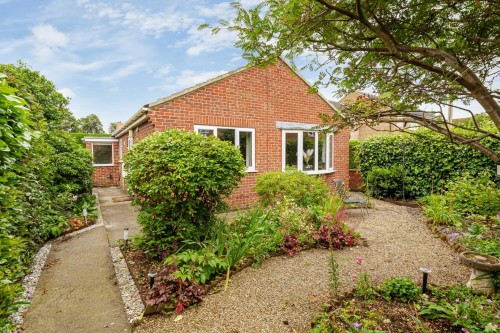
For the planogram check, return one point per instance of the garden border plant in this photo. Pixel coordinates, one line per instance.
(284, 225)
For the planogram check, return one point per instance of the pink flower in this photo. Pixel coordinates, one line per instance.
(328, 218)
(359, 260)
(75, 198)
(360, 268)
(353, 275)
(172, 195)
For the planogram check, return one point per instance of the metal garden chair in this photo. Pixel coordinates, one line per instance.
(350, 198)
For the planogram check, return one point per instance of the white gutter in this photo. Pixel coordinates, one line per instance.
(125, 128)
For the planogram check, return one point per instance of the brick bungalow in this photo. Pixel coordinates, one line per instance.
(267, 112)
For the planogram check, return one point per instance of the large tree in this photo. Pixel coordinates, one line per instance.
(91, 124)
(408, 52)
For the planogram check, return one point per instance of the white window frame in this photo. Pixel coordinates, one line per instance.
(330, 145)
(130, 142)
(236, 138)
(112, 153)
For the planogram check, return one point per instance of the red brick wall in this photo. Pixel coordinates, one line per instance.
(254, 98)
(355, 180)
(106, 175)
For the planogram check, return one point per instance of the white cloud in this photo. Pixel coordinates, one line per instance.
(164, 70)
(67, 92)
(221, 11)
(203, 41)
(122, 72)
(153, 23)
(49, 36)
(235, 59)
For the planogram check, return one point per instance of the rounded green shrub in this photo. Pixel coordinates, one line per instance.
(179, 179)
(403, 288)
(383, 183)
(305, 189)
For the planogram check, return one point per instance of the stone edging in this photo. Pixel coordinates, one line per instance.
(30, 281)
(134, 307)
(458, 248)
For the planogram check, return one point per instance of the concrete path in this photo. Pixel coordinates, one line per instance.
(117, 213)
(77, 291)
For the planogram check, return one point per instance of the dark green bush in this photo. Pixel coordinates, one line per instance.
(72, 163)
(306, 190)
(383, 183)
(79, 137)
(429, 163)
(179, 178)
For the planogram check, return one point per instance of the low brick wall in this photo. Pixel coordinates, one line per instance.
(355, 181)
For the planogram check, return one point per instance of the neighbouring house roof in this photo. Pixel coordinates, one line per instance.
(419, 113)
(140, 116)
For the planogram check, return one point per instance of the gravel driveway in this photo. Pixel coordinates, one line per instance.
(284, 294)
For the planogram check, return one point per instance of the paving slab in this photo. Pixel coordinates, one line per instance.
(77, 291)
(117, 213)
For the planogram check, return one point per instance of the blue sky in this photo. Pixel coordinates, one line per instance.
(111, 57)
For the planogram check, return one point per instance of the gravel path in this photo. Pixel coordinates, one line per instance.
(280, 295)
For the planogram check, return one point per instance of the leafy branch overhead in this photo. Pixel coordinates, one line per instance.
(410, 53)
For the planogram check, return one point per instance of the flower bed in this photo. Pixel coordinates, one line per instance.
(398, 306)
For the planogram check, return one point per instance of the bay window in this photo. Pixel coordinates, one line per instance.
(308, 151)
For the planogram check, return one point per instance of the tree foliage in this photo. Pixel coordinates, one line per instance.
(112, 128)
(90, 124)
(46, 104)
(409, 53)
(179, 179)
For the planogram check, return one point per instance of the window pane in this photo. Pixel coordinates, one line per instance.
(246, 147)
(103, 154)
(291, 144)
(322, 151)
(308, 152)
(226, 134)
(206, 132)
(331, 151)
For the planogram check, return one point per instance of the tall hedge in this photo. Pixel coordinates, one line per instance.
(180, 178)
(41, 168)
(428, 162)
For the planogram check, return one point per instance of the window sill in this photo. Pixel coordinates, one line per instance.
(103, 165)
(251, 171)
(323, 172)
